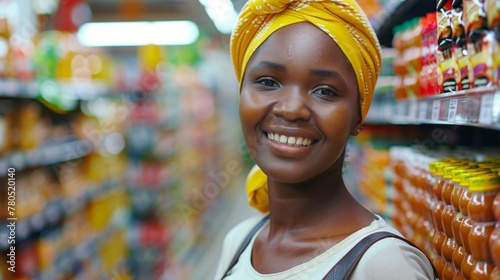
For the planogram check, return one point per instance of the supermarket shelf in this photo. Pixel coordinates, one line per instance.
(52, 152)
(478, 107)
(53, 212)
(71, 90)
(69, 260)
(396, 12)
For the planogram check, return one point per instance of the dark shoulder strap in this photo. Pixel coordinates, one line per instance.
(245, 243)
(344, 268)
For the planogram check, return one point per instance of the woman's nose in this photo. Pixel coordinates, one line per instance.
(292, 105)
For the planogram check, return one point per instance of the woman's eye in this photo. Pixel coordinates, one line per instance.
(267, 82)
(325, 92)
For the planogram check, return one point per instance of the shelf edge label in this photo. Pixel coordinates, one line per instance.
(422, 110)
(452, 110)
(436, 107)
(486, 109)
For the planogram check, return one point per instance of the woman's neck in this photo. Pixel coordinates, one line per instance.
(315, 207)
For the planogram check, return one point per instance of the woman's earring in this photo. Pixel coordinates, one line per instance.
(358, 130)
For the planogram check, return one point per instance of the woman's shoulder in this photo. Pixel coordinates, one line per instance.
(240, 230)
(393, 258)
(232, 241)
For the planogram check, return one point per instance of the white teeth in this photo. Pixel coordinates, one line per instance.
(291, 141)
(283, 139)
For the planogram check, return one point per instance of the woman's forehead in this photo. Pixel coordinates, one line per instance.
(301, 40)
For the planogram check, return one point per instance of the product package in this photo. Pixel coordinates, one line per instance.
(480, 43)
(448, 68)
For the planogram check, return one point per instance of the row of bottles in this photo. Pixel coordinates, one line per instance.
(451, 210)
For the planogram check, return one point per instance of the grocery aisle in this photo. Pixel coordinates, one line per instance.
(122, 160)
(125, 158)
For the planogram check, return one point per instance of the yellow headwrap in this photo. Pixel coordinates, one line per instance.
(342, 20)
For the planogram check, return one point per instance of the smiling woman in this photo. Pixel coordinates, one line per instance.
(307, 70)
(294, 95)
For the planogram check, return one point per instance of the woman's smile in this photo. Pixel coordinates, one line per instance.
(286, 145)
(289, 140)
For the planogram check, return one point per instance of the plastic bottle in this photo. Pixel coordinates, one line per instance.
(447, 215)
(484, 188)
(494, 241)
(466, 226)
(459, 251)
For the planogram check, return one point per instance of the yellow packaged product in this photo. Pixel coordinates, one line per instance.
(448, 68)
(460, 49)
(493, 19)
(480, 43)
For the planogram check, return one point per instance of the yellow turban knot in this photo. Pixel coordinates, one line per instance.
(342, 20)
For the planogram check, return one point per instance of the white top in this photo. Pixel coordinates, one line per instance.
(389, 258)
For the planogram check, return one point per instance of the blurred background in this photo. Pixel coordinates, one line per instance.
(121, 155)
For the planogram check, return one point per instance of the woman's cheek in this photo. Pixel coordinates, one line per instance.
(251, 108)
(342, 116)
(248, 111)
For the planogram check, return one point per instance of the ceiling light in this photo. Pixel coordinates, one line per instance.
(45, 7)
(138, 33)
(222, 14)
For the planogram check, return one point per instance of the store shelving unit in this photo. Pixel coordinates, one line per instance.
(55, 210)
(70, 90)
(478, 107)
(155, 184)
(52, 152)
(462, 125)
(65, 231)
(395, 12)
(53, 223)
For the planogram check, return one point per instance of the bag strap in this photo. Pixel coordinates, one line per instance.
(244, 244)
(344, 268)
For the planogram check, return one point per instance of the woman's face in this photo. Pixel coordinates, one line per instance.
(298, 104)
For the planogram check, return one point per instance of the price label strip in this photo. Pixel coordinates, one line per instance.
(400, 110)
(12, 87)
(452, 110)
(496, 108)
(436, 107)
(486, 109)
(388, 111)
(412, 111)
(422, 110)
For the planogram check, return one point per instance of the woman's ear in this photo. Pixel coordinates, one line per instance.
(358, 123)
(357, 128)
